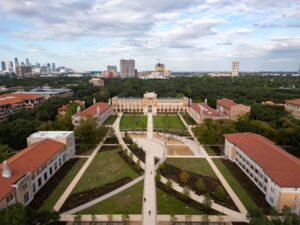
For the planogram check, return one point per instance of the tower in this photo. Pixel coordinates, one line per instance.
(235, 68)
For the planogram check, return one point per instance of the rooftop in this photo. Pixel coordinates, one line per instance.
(279, 165)
(295, 101)
(206, 110)
(226, 103)
(92, 110)
(51, 134)
(27, 160)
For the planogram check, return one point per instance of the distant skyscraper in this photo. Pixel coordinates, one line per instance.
(22, 63)
(235, 68)
(27, 62)
(112, 68)
(3, 67)
(160, 67)
(299, 70)
(127, 68)
(23, 70)
(16, 61)
(53, 67)
(37, 65)
(9, 66)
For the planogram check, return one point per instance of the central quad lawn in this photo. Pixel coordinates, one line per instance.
(106, 167)
(128, 201)
(247, 192)
(168, 121)
(49, 203)
(131, 202)
(198, 166)
(133, 122)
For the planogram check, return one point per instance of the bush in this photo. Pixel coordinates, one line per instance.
(184, 177)
(220, 193)
(200, 185)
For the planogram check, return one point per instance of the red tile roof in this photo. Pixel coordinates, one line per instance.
(279, 165)
(226, 103)
(206, 110)
(295, 101)
(10, 100)
(24, 96)
(92, 110)
(27, 160)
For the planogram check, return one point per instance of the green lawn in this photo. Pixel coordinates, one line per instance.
(133, 122)
(168, 121)
(188, 119)
(209, 151)
(110, 120)
(167, 204)
(106, 167)
(128, 201)
(198, 166)
(59, 190)
(235, 185)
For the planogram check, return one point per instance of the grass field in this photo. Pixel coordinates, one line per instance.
(167, 204)
(241, 192)
(131, 201)
(133, 122)
(107, 167)
(128, 201)
(198, 166)
(168, 121)
(110, 120)
(49, 203)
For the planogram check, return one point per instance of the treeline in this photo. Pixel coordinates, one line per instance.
(272, 122)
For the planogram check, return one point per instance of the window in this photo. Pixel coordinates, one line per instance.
(33, 187)
(50, 170)
(26, 197)
(40, 182)
(45, 175)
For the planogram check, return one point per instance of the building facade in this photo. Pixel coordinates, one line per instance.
(97, 82)
(293, 107)
(23, 70)
(127, 68)
(112, 68)
(159, 67)
(150, 103)
(48, 92)
(25, 173)
(274, 171)
(99, 110)
(201, 111)
(235, 68)
(231, 109)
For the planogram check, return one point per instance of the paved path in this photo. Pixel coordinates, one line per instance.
(232, 194)
(106, 196)
(71, 186)
(149, 193)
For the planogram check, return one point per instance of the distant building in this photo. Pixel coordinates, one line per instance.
(3, 67)
(27, 62)
(232, 109)
(25, 173)
(97, 82)
(159, 67)
(14, 102)
(293, 106)
(112, 69)
(9, 66)
(53, 67)
(274, 171)
(150, 103)
(23, 70)
(235, 68)
(37, 65)
(127, 68)
(99, 110)
(64, 108)
(299, 69)
(48, 92)
(16, 61)
(201, 111)
(109, 74)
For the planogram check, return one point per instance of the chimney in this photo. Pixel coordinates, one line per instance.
(205, 100)
(98, 110)
(78, 109)
(94, 101)
(6, 171)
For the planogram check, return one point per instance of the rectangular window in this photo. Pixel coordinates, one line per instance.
(33, 187)
(40, 182)
(50, 170)
(45, 176)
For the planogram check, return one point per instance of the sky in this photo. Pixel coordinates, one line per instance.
(186, 35)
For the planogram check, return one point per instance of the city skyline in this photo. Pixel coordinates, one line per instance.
(185, 35)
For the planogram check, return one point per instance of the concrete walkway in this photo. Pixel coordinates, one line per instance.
(229, 190)
(149, 193)
(71, 186)
(106, 196)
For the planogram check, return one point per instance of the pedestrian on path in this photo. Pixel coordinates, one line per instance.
(149, 212)
(144, 199)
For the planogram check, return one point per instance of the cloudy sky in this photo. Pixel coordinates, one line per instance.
(187, 35)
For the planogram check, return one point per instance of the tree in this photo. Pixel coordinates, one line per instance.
(200, 185)
(184, 177)
(169, 184)
(94, 219)
(157, 177)
(220, 193)
(207, 202)
(110, 218)
(125, 219)
(186, 192)
(173, 219)
(4, 153)
(205, 219)
(257, 217)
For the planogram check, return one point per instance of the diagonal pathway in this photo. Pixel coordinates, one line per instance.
(149, 193)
